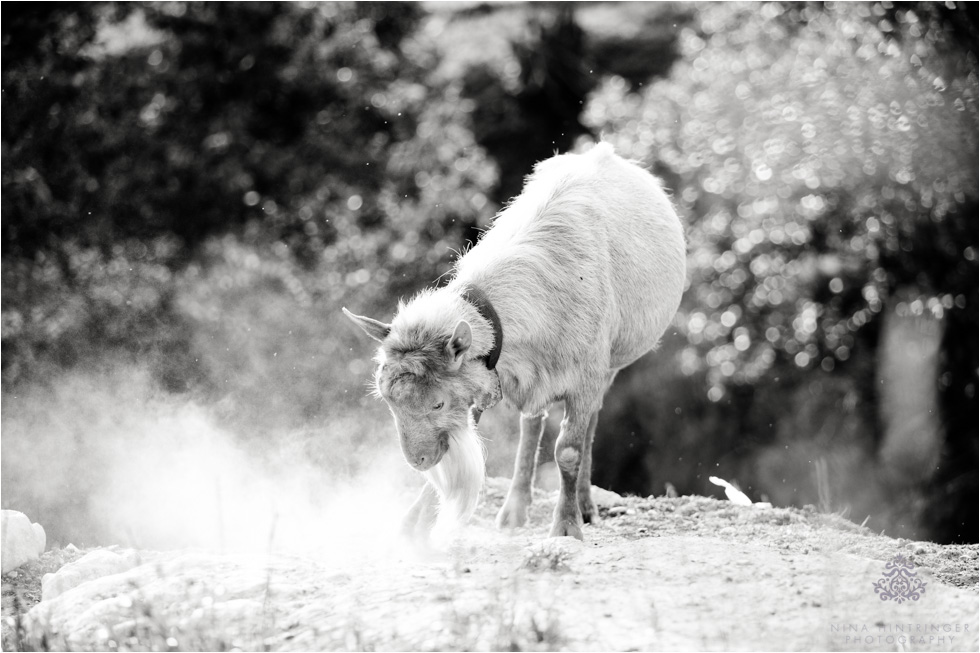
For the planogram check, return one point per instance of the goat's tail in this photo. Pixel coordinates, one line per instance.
(459, 476)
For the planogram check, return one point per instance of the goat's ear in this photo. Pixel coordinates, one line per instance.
(459, 344)
(376, 330)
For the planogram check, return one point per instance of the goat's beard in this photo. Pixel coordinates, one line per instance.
(458, 477)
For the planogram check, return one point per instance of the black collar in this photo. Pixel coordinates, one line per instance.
(482, 304)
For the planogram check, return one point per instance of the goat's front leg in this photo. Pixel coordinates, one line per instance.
(569, 455)
(514, 511)
(421, 517)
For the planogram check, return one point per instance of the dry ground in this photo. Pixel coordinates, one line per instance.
(689, 573)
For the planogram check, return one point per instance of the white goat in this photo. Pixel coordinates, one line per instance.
(577, 278)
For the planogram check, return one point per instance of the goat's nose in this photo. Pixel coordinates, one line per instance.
(420, 460)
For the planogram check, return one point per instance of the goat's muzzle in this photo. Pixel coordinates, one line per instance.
(426, 456)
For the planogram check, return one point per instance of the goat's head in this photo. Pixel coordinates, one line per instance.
(429, 383)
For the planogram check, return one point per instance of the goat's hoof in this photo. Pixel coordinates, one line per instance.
(565, 528)
(512, 515)
(590, 514)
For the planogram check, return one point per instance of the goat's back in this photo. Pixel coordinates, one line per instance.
(589, 258)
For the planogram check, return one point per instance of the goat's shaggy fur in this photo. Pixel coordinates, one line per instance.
(585, 270)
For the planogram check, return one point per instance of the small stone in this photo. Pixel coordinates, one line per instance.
(607, 498)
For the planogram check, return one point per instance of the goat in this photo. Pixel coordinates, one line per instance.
(576, 278)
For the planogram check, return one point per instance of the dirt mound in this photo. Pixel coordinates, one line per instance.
(690, 573)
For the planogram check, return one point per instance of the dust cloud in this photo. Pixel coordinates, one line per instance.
(104, 456)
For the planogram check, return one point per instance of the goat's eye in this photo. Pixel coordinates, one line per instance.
(438, 406)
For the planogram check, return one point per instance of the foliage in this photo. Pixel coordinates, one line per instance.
(825, 159)
(310, 131)
(540, 108)
(812, 169)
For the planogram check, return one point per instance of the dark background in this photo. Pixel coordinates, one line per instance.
(192, 191)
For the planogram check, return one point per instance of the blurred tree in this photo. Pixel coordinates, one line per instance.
(826, 159)
(539, 116)
(184, 131)
(645, 47)
(132, 134)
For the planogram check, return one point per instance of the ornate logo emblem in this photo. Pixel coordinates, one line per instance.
(898, 582)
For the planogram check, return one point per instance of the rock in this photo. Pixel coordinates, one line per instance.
(189, 594)
(41, 536)
(606, 498)
(96, 564)
(22, 541)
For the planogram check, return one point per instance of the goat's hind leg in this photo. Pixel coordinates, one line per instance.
(569, 456)
(590, 514)
(513, 514)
